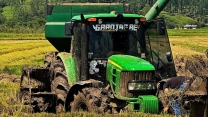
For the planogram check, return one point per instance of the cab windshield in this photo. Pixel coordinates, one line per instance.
(108, 38)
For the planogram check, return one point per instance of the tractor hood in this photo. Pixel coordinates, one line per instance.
(130, 63)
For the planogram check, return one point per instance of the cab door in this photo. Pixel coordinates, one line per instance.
(158, 48)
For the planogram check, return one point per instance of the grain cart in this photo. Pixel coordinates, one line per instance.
(107, 62)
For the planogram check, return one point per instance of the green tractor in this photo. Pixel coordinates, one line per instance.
(107, 62)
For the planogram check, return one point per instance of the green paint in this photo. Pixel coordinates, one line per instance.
(55, 26)
(55, 33)
(64, 13)
(78, 18)
(69, 65)
(146, 104)
(61, 13)
(156, 9)
(59, 27)
(117, 64)
(131, 63)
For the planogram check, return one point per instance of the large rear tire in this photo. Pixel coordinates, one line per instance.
(91, 100)
(60, 85)
(49, 58)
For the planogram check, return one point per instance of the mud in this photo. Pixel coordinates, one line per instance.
(195, 68)
(195, 92)
(179, 65)
(9, 78)
(91, 99)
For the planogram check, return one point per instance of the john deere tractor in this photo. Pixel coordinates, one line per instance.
(108, 60)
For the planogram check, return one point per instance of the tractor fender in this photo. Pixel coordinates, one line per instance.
(69, 66)
(77, 87)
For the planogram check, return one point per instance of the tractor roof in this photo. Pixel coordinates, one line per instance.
(105, 15)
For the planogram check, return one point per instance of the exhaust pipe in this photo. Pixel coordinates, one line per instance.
(156, 9)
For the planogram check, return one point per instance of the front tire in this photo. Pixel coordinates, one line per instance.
(91, 100)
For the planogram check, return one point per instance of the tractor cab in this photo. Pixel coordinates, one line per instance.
(99, 36)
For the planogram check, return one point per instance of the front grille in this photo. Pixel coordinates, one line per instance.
(127, 76)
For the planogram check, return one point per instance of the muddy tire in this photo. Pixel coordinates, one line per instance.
(60, 85)
(49, 58)
(91, 100)
(24, 97)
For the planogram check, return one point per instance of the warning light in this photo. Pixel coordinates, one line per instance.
(92, 19)
(142, 19)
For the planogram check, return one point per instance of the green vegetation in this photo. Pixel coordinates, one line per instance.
(188, 42)
(177, 20)
(7, 12)
(28, 16)
(22, 36)
(188, 32)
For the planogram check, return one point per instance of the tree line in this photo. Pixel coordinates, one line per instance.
(196, 9)
(32, 13)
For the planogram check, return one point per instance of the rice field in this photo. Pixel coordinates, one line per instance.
(29, 50)
(188, 46)
(18, 50)
(15, 54)
(22, 36)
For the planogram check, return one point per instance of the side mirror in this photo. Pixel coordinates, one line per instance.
(69, 28)
(169, 57)
(161, 28)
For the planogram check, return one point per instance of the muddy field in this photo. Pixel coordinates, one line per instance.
(9, 78)
(194, 94)
(181, 69)
(179, 65)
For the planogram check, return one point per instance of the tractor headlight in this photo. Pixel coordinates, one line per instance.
(141, 85)
(134, 86)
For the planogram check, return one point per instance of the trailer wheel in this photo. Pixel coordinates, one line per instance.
(91, 100)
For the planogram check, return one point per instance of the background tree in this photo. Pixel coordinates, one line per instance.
(136, 5)
(32, 13)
